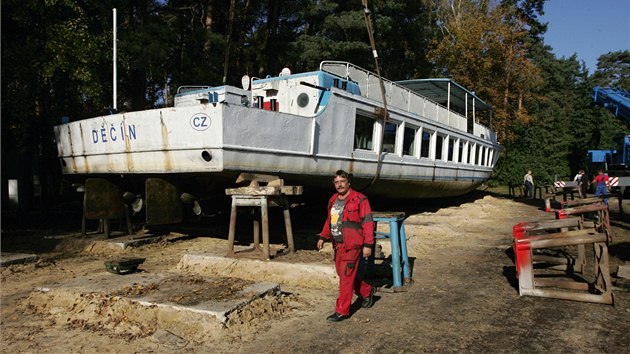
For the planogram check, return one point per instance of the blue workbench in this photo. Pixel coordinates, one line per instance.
(397, 237)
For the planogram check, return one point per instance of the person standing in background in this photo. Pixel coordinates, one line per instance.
(529, 184)
(581, 181)
(601, 185)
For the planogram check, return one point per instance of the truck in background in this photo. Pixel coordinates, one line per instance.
(616, 161)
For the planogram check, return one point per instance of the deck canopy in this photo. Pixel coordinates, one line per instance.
(448, 93)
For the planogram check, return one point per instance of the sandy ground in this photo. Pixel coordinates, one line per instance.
(464, 297)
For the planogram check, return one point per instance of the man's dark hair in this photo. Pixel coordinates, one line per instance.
(342, 173)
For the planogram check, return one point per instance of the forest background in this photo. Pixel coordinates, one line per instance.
(57, 62)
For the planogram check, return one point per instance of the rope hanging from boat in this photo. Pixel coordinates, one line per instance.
(368, 25)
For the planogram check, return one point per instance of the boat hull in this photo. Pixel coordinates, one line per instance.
(302, 151)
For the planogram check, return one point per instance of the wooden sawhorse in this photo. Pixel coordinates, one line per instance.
(264, 202)
(529, 237)
(273, 194)
(512, 188)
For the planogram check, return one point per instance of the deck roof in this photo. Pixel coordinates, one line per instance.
(437, 90)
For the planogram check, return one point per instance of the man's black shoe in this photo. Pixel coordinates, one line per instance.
(369, 301)
(335, 317)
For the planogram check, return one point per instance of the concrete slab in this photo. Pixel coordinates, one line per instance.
(172, 291)
(130, 241)
(314, 275)
(122, 242)
(7, 259)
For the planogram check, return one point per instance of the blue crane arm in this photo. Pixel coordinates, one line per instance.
(615, 100)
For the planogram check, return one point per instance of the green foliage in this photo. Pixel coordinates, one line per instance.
(566, 124)
(613, 70)
(50, 69)
(336, 30)
(485, 49)
(63, 65)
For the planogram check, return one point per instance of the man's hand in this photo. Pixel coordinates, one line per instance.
(320, 244)
(367, 252)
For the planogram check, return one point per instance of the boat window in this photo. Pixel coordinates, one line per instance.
(439, 143)
(363, 132)
(409, 141)
(477, 154)
(460, 157)
(426, 143)
(483, 156)
(389, 138)
(451, 147)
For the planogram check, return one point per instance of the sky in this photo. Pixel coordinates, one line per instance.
(588, 28)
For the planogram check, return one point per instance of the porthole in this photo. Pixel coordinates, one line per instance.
(302, 100)
(206, 155)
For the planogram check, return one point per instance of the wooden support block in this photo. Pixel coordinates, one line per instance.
(581, 209)
(265, 190)
(245, 177)
(261, 190)
(552, 224)
(276, 183)
(565, 234)
(565, 284)
(538, 190)
(605, 298)
(513, 188)
(568, 241)
(583, 201)
(292, 190)
(263, 202)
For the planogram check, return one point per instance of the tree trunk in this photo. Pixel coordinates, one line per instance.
(226, 60)
(137, 79)
(273, 21)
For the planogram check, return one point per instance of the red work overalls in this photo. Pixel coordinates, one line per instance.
(357, 229)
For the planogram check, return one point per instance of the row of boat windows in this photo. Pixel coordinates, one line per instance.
(418, 142)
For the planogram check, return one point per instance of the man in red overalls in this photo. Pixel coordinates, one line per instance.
(350, 227)
(601, 185)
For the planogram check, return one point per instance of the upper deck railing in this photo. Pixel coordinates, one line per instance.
(403, 98)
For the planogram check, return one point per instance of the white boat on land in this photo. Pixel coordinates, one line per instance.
(301, 127)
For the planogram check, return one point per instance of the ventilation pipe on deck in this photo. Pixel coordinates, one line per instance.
(114, 79)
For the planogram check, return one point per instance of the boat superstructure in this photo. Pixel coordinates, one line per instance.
(302, 127)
